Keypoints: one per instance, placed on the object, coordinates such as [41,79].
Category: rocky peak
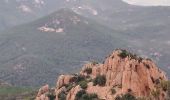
[122,72]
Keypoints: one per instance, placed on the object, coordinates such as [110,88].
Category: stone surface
[129,74]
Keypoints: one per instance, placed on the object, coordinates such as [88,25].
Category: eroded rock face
[42,93]
[63,80]
[125,72]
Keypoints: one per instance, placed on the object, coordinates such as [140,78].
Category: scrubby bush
[128,96]
[83,84]
[51,96]
[69,87]
[100,80]
[82,95]
[62,96]
[113,91]
[78,78]
[88,70]
[93,95]
[155,93]
[123,54]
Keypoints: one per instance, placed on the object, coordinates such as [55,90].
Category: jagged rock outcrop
[122,72]
[42,93]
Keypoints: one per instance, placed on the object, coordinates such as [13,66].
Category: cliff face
[121,73]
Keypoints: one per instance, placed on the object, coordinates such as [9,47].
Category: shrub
[93,95]
[62,96]
[89,96]
[69,87]
[51,96]
[123,54]
[78,78]
[128,96]
[113,91]
[155,93]
[83,84]
[100,80]
[88,70]
[80,94]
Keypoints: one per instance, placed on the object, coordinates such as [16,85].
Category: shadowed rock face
[124,71]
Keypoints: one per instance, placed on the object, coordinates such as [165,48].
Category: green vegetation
[113,91]
[100,80]
[155,93]
[13,90]
[78,78]
[62,96]
[69,87]
[126,96]
[11,93]
[125,53]
[51,96]
[88,70]
[82,95]
[83,84]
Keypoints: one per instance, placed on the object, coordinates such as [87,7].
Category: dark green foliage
[123,54]
[89,97]
[69,87]
[62,96]
[80,78]
[128,96]
[100,80]
[88,70]
[83,84]
[113,91]
[51,96]
[93,95]
[82,95]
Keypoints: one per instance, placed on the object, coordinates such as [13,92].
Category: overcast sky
[149,2]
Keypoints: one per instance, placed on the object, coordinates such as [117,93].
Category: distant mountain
[32,54]
[17,12]
[144,30]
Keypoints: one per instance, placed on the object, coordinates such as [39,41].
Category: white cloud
[148,2]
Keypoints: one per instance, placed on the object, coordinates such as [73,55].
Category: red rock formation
[125,72]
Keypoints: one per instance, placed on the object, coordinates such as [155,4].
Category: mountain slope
[54,44]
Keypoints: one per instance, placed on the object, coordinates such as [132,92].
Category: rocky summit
[122,76]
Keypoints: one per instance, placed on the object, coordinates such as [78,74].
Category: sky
[149,2]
